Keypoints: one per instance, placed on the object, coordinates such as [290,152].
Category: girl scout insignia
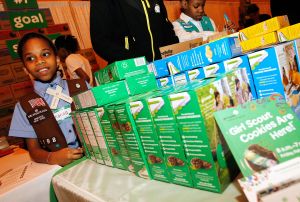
[57,95]
[157,8]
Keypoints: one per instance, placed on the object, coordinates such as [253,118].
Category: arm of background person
[170,36]
[81,73]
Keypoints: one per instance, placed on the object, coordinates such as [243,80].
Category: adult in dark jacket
[122,29]
[287,7]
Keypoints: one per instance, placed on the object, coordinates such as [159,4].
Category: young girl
[193,22]
[49,140]
[239,92]
[219,105]
[77,66]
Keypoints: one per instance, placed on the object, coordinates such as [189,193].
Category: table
[23,180]
[89,181]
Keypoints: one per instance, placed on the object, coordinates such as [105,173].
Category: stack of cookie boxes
[196,63]
[169,134]
[18,19]
[205,61]
[206,156]
[101,114]
[275,68]
[270,54]
[144,133]
[176,127]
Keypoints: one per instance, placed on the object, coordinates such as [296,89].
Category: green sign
[53,36]
[12,46]
[261,133]
[20,4]
[24,20]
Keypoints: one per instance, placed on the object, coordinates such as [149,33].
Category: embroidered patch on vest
[38,114]
[188,26]
[48,141]
[37,102]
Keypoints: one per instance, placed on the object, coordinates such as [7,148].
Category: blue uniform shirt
[20,126]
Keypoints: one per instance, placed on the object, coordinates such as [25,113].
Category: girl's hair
[231,102]
[236,82]
[216,93]
[68,42]
[33,35]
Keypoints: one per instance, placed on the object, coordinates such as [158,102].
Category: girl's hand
[65,156]
[230,26]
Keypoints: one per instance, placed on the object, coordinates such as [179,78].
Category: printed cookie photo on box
[241,62]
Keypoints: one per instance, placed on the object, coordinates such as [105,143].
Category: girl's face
[195,9]
[218,98]
[39,59]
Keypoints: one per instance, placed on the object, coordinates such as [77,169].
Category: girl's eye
[30,58]
[46,54]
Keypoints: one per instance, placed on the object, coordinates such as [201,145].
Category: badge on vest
[62,113]
[157,8]
[57,95]
[37,102]
[186,26]
[37,115]
[48,141]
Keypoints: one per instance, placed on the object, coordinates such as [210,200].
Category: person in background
[123,29]
[287,7]
[50,138]
[194,23]
[242,13]
[219,104]
[239,92]
[253,15]
[77,66]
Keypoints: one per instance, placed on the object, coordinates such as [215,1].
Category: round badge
[77,85]
[157,8]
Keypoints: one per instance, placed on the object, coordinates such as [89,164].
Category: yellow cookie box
[289,33]
[259,42]
[264,27]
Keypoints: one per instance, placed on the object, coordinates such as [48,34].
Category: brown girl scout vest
[40,116]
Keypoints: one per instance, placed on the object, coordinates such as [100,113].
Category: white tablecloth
[89,181]
[22,180]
